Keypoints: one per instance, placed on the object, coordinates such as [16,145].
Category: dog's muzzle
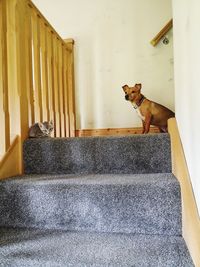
[126,97]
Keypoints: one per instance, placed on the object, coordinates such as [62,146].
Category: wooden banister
[36,74]
[162,33]
[10,164]
[190,216]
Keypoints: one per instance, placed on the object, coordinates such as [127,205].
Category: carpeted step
[127,154]
[33,248]
[128,203]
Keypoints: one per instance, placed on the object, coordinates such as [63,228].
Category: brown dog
[150,112]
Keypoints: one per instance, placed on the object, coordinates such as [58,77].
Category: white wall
[187,83]
[112,49]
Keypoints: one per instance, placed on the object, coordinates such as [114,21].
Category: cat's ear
[51,122]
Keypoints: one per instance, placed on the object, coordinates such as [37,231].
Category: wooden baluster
[53,75]
[65,91]
[30,68]
[23,64]
[12,74]
[61,93]
[2,71]
[70,83]
[55,88]
[58,85]
[37,68]
[5,76]
[50,75]
[47,71]
[43,65]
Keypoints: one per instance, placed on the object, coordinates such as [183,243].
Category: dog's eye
[133,92]
[125,93]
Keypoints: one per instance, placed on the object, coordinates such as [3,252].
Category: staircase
[94,201]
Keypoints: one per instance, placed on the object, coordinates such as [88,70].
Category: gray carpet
[93,202]
[130,154]
[129,203]
[25,248]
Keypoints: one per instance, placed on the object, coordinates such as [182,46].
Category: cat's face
[41,129]
[46,127]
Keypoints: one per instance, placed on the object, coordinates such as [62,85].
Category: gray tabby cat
[41,129]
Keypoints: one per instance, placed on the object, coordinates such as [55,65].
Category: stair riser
[102,208]
[48,248]
[134,154]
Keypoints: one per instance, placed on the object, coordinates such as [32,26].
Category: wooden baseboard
[190,216]
[10,164]
[113,131]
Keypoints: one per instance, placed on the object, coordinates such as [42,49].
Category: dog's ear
[138,86]
[124,87]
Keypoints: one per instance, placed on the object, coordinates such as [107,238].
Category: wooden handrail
[47,24]
[190,216]
[10,164]
[162,33]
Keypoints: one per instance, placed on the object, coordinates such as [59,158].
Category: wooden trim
[113,131]
[162,33]
[10,164]
[190,216]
